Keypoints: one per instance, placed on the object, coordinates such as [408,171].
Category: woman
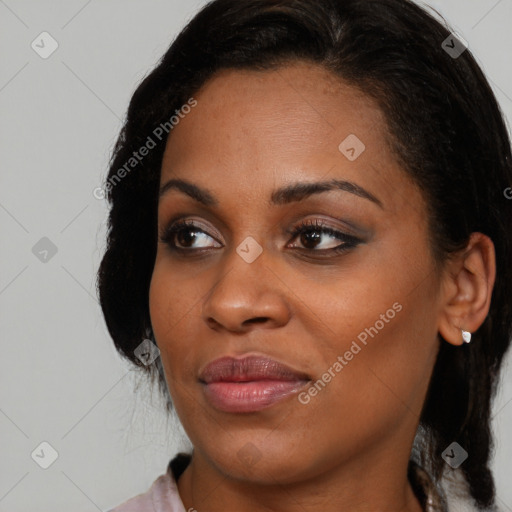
[309,220]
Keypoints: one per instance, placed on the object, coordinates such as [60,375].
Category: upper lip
[248,368]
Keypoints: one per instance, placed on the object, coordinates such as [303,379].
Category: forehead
[254,130]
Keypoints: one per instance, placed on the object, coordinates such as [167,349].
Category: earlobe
[467,290]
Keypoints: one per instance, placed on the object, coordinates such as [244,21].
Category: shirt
[451,495]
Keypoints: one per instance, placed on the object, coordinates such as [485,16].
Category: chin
[260,462]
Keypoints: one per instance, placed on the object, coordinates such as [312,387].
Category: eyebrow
[284,195]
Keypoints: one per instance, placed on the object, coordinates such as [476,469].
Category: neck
[377,483]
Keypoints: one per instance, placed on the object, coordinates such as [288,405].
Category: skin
[348,448]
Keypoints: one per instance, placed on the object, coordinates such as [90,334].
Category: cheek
[163,308]
[170,305]
[173,296]
[381,322]
[387,344]
[375,389]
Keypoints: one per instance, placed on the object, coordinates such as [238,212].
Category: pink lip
[249,384]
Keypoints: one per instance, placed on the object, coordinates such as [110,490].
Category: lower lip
[250,396]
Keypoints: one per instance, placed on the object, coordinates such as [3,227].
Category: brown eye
[316,236]
[184,235]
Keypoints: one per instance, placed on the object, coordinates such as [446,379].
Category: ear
[467,285]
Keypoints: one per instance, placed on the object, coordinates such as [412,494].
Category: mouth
[249,384]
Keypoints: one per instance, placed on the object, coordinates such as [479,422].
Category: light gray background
[61,380]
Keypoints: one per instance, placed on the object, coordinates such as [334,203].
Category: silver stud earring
[466,336]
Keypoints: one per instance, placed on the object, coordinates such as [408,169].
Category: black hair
[445,128]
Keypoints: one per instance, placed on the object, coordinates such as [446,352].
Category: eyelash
[308,226]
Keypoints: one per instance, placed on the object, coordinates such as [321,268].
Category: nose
[247,295]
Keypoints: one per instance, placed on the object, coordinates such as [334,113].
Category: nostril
[258,320]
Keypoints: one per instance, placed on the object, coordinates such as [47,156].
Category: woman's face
[358,323]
